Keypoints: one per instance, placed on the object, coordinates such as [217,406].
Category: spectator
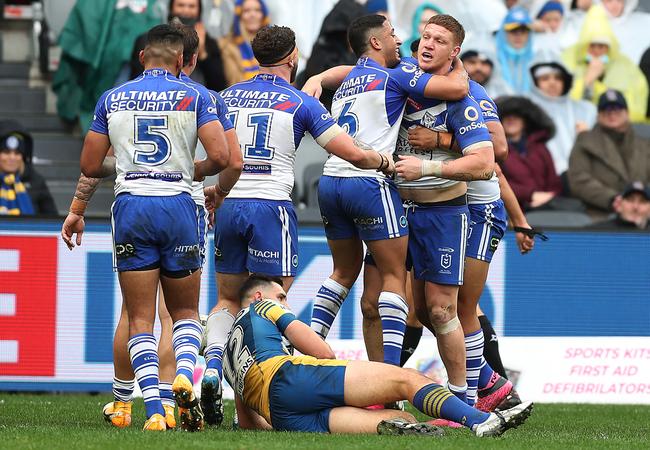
[332,49]
[630,27]
[239,62]
[631,208]
[420,18]
[96,44]
[552,86]
[598,65]
[644,65]
[480,68]
[608,157]
[548,29]
[529,167]
[514,45]
[573,20]
[209,67]
[23,191]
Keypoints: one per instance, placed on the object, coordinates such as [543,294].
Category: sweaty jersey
[271,117]
[483,191]
[462,118]
[222,113]
[369,106]
[152,122]
[255,351]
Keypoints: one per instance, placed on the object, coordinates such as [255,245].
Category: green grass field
[75,421]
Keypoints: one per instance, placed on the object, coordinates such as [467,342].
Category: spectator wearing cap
[480,68]
[514,45]
[23,191]
[549,30]
[529,167]
[609,156]
[597,65]
[631,208]
[552,85]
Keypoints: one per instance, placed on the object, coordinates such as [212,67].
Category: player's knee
[444,323]
[369,308]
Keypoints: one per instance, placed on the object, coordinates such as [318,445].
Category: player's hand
[390,170]
[72,224]
[525,243]
[422,138]
[313,87]
[409,167]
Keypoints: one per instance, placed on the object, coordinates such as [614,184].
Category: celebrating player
[256,229]
[314,393]
[359,205]
[153,123]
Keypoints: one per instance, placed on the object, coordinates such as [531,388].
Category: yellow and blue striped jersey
[255,352]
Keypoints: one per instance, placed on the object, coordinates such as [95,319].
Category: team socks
[412,336]
[166,394]
[327,304]
[393,311]
[219,325]
[144,359]
[122,389]
[491,348]
[458,391]
[186,339]
[436,401]
[474,362]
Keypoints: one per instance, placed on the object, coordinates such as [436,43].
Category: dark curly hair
[272,44]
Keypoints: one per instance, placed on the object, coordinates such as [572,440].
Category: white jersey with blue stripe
[369,106]
[222,112]
[271,117]
[483,191]
[152,123]
[462,118]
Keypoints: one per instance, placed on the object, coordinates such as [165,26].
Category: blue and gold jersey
[255,352]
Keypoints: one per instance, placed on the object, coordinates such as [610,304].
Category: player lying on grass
[316,393]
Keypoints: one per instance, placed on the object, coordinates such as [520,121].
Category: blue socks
[186,340]
[144,359]
[166,394]
[393,311]
[327,304]
[437,402]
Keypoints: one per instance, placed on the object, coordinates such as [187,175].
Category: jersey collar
[156,72]
[270,78]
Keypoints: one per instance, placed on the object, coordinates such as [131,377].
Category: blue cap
[517,17]
[553,5]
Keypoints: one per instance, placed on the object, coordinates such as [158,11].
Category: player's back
[369,105]
[270,117]
[152,124]
[255,351]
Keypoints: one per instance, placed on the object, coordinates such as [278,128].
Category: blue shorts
[155,232]
[301,396]
[487,225]
[203,215]
[364,207]
[253,235]
[438,235]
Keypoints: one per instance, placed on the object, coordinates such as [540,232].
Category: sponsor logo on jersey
[416,76]
[368,220]
[445,260]
[446,249]
[123,251]
[161,176]
[403,221]
[265,254]
[257,169]
[494,243]
[358,84]
[255,98]
[470,127]
[471,113]
[294,260]
[148,101]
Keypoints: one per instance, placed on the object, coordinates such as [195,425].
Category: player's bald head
[164,44]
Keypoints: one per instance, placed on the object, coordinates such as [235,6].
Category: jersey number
[237,361]
[348,120]
[149,131]
[261,124]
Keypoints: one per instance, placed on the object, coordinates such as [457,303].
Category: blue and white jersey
[222,113]
[462,118]
[152,122]
[369,106]
[483,191]
[271,117]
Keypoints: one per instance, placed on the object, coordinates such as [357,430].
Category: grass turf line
[71,421]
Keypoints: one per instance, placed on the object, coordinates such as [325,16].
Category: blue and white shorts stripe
[364,207]
[254,235]
[487,225]
[204,218]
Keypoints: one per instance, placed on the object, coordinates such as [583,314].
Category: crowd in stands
[570,77]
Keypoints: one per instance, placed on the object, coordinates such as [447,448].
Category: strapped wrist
[432,168]
[78,206]
[221,192]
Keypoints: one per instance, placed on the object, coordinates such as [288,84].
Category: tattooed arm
[476,164]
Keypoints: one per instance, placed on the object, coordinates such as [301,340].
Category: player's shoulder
[466,107]
[477,91]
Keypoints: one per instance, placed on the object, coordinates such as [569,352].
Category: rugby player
[118,412]
[256,227]
[361,206]
[315,393]
[153,123]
